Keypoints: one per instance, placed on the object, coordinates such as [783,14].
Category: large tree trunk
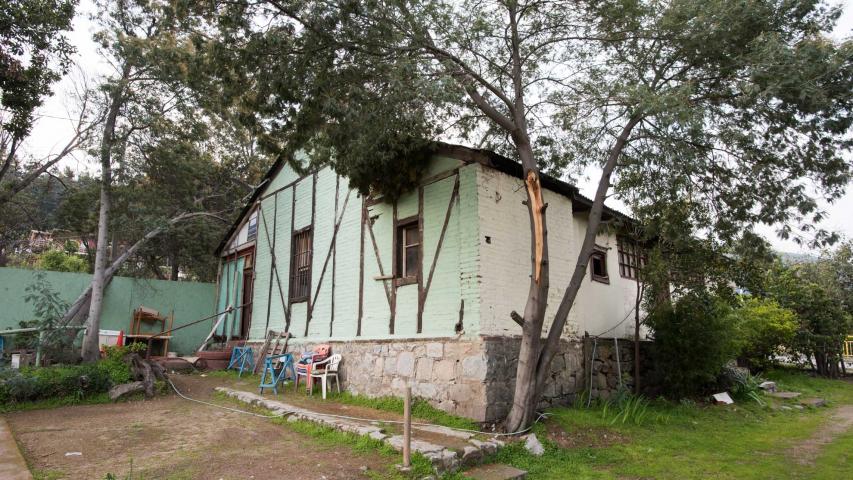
[535,362]
[91,350]
[637,302]
[526,394]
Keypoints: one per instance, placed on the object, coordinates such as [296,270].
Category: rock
[768,386]
[813,402]
[533,445]
[722,398]
[474,367]
[471,455]
[784,395]
[435,350]
[126,389]
[406,364]
[496,471]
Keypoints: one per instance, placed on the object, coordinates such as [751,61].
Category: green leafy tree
[729,105]
[48,308]
[61,261]
[766,331]
[34,53]
[823,323]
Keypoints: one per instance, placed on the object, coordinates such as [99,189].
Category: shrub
[77,381]
[60,261]
[693,340]
[765,330]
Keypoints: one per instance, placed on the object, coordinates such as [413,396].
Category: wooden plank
[441,237]
[290,270]
[361,268]
[439,176]
[274,262]
[313,300]
[334,254]
[394,266]
[420,259]
[311,251]
[378,258]
[272,246]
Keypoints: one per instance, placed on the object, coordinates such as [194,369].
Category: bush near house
[65,381]
[693,341]
[61,261]
[765,329]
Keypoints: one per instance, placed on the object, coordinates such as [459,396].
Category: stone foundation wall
[448,372]
[474,378]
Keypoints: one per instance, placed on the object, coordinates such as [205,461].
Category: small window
[252,231]
[598,266]
[631,259]
[300,266]
[408,251]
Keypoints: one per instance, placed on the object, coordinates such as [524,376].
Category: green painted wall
[231,293]
[454,280]
[190,301]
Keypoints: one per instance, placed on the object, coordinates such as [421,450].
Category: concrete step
[496,471]
[12,464]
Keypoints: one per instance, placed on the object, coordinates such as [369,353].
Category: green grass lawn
[687,441]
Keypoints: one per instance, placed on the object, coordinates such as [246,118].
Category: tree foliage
[34,53]
[766,331]
[823,322]
[60,261]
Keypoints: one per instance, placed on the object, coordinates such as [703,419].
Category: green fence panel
[190,301]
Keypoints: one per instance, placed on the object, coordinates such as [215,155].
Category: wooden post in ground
[407,428]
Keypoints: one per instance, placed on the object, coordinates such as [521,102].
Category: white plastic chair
[330,371]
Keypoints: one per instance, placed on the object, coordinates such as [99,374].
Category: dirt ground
[172,438]
[840,422]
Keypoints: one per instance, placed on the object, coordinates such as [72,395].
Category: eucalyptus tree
[141,99]
[729,106]
[34,53]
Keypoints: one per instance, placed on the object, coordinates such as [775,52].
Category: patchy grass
[834,391]
[690,441]
[421,466]
[59,402]
[421,409]
[48,475]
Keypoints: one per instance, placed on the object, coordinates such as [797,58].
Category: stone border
[443,459]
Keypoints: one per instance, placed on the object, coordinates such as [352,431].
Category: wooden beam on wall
[420,259]
[361,268]
[453,197]
[312,300]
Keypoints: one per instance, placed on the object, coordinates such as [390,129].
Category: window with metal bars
[631,258]
[300,266]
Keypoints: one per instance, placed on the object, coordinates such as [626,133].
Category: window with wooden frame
[598,265]
[408,251]
[252,230]
[631,258]
[300,265]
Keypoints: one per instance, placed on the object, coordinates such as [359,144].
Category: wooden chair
[325,370]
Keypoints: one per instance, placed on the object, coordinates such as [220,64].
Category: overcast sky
[53,128]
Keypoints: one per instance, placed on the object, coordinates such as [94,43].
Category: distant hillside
[789,258]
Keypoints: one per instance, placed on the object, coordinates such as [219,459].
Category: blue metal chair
[283,363]
[242,358]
